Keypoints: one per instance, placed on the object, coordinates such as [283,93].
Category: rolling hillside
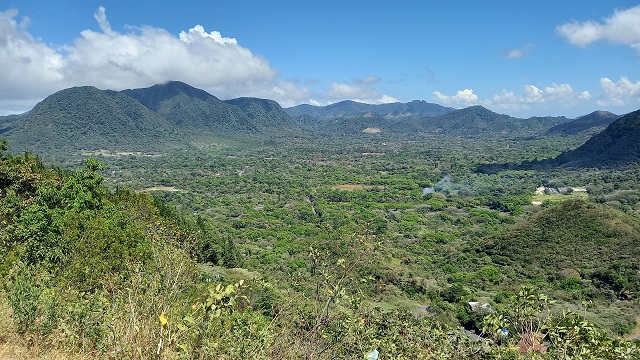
[577,236]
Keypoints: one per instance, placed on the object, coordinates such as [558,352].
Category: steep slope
[193,110]
[618,144]
[265,115]
[594,121]
[575,235]
[86,118]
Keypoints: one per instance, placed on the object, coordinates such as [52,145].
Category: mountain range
[171,115]
[348,108]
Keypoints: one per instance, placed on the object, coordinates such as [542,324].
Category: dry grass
[14,347]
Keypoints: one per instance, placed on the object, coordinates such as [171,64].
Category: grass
[14,347]
[556,198]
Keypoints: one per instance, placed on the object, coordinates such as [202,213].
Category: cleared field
[538,199]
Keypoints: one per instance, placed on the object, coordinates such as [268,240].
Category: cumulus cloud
[530,97]
[29,68]
[518,53]
[149,55]
[360,90]
[619,93]
[623,27]
[555,94]
[464,97]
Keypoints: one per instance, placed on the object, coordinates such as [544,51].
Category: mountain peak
[153,96]
[615,145]
[596,120]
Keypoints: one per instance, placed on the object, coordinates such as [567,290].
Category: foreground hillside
[592,246]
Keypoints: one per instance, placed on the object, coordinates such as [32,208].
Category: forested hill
[575,239]
[618,144]
[196,110]
[82,118]
[594,121]
[152,119]
[264,114]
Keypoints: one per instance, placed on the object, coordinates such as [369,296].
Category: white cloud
[623,27]
[198,31]
[556,93]
[101,18]
[150,55]
[619,93]
[360,90]
[464,97]
[518,53]
[28,67]
[532,96]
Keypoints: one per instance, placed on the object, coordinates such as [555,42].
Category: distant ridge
[348,108]
[264,114]
[478,121]
[618,144]
[595,120]
[153,96]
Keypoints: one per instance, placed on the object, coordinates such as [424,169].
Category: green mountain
[477,120]
[573,237]
[597,120]
[618,144]
[265,115]
[86,118]
[137,120]
[193,110]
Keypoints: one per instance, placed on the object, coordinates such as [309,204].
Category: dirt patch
[371,130]
[635,334]
[162,188]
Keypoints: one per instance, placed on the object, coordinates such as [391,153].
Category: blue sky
[523,58]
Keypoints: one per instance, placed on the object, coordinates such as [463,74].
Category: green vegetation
[317,245]
[300,266]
